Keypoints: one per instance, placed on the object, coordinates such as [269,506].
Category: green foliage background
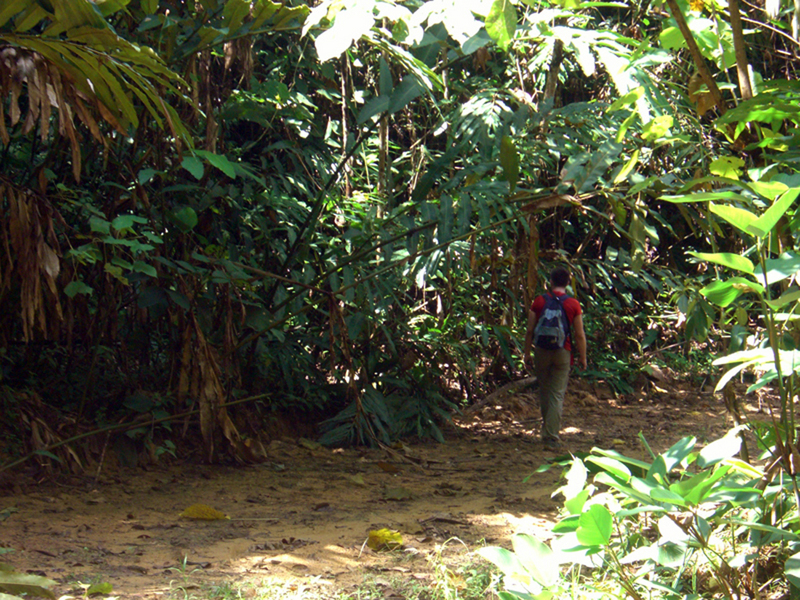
[251,214]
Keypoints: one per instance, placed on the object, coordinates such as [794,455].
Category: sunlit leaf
[501,22]
[727,259]
[384,539]
[203,512]
[595,526]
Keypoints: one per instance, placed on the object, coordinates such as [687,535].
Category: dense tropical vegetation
[238,214]
[241,210]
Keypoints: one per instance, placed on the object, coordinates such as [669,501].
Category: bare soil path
[304,515]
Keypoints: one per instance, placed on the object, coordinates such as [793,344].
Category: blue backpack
[552,328]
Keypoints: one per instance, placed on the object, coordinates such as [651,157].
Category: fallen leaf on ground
[204,512]
[384,539]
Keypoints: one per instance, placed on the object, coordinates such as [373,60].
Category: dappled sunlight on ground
[302,518]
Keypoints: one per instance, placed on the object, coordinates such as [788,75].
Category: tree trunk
[742,64]
[698,59]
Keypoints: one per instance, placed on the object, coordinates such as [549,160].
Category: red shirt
[571,307]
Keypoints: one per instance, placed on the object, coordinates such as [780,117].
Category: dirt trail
[304,515]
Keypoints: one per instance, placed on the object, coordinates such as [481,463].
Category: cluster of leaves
[355,225]
[689,524]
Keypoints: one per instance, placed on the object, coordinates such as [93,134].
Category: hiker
[556,314]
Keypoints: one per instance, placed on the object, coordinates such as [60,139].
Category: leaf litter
[309,520]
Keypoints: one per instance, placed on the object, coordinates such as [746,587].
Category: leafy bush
[687,524]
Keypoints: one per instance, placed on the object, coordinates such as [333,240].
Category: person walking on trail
[555,327]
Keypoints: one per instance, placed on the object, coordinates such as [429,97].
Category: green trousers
[552,374]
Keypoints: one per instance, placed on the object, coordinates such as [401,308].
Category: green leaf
[727,259]
[73,288]
[764,225]
[738,217]
[537,558]
[719,450]
[408,90]
[626,101]
[660,494]
[576,479]
[220,162]
[791,569]
[194,165]
[31,585]
[722,293]
[509,160]
[595,526]
[504,560]
[99,588]
[126,222]
[629,166]
[374,107]
[677,452]
[727,166]
[611,465]
[788,297]
[778,269]
[501,22]
[186,218]
[704,196]
[142,267]
[657,128]
[98,225]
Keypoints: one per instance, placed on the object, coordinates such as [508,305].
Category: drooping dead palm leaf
[31,262]
[79,68]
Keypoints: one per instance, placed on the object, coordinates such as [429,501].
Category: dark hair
[560,277]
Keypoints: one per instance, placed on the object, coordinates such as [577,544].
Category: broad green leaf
[126,222]
[678,452]
[576,479]
[657,128]
[194,166]
[611,465]
[731,373]
[575,504]
[722,293]
[672,555]
[727,166]
[778,269]
[501,22]
[504,560]
[788,297]
[738,217]
[509,160]
[98,225]
[756,354]
[769,189]
[595,526]
[22,583]
[664,495]
[791,569]
[537,558]
[220,162]
[408,90]
[374,107]
[764,225]
[99,588]
[145,175]
[142,267]
[727,259]
[186,218]
[73,288]
[349,26]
